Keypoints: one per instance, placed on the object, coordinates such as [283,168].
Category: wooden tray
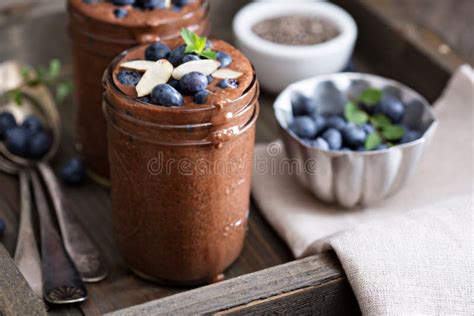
[265,278]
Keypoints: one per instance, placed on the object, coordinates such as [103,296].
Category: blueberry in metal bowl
[374,133]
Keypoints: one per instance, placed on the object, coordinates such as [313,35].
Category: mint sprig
[371,97]
[355,115]
[372,141]
[196,44]
[393,132]
[386,131]
[41,76]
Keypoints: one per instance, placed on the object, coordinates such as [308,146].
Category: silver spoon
[62,282]
[26,256]
[77,242]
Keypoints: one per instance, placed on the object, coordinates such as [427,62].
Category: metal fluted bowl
[351,178]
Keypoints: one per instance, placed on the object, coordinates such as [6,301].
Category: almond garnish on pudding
[190,75]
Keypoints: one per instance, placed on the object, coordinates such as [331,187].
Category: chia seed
[296,30]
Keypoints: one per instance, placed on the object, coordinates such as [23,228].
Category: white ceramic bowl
[279,65]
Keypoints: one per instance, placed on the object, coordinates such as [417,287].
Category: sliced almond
[159,73]
[206,67]
[226,74]
[140,65]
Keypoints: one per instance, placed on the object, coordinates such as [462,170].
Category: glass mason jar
[96,38]
[180,182]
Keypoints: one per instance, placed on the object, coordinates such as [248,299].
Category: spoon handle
[27,256]
[62,283]
[83,252]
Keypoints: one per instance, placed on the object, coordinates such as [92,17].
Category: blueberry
[89,1]
[350,67]
[320,143]
[32,124]
[392,107]
[190,57]
[174,83]
[381,146]
[410,135]
[16,141]
[145,99]
[123,2]
[157,51]
[304,127]
[129,77]
[180,3]
[224,59]
[334,138]
[302,105]
[39,145]
[201,97]
[150,4]
[176,56]
[344,149]
[7,121]
[192,83]
[3,227]
[368,128]
[337,122]
[210,79]
[73,172]
[166,95]
[228,83]
[354,136]
[120,13]
[369,109]
[320,122]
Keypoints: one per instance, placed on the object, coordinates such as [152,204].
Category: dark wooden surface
[309,286]
[35,33]
[29,32]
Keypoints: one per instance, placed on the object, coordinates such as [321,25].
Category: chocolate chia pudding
[181,160]
[102,29]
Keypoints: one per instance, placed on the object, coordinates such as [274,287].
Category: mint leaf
[63,90]
[209,54]
[25,73]
[54,69]
[354,115]
[393,132]
[372,141]
[371,97]
[16,96]
[188,38]
[196,44]
[380,121]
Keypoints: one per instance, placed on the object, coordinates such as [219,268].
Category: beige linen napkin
[411,254]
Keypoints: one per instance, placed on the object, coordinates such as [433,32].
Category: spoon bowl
[45,112]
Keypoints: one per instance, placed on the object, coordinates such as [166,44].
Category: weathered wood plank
[314,284]
[16,297]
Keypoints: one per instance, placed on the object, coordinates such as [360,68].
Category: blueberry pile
[372,121]
[30,139]
[122,5]
[193,84]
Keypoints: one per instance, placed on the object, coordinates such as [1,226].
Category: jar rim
[205,5]
[110,84]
